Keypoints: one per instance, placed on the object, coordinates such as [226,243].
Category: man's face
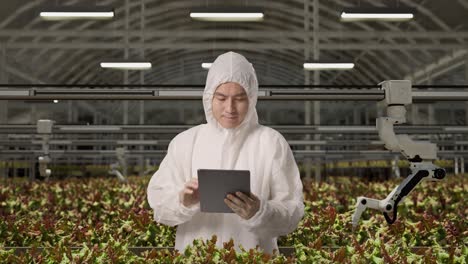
[230,104]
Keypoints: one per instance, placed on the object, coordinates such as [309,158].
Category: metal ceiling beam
[59,55]
[156,16]
[173,38]
[442,65]
[18,73]
[174,129]
[23,74]
[28,77]
[234,33]
[331,154]
[117,142]
[76,70]
[93,45]
[428,13]
[178,6]
[463,3]
[170,66]
[54,26]
[18,12]
[195,33]
[276,94]
[414,56]
[114,25]
[379,39]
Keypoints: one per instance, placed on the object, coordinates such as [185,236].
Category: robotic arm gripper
[44,129]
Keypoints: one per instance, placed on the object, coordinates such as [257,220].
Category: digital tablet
[215,185]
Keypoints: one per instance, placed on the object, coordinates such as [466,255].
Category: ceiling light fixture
[228,14]
[77,12]
[385,14]
[317,66]
[126,65]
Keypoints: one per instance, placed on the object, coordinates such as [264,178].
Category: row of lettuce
[87,219]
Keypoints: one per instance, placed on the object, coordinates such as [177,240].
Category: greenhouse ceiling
[428,49]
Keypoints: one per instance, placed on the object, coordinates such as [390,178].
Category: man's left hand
[243,205]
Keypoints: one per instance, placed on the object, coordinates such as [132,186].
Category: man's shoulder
[269,133]
[188,134]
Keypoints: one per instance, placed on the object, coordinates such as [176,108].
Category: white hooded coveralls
[261,150]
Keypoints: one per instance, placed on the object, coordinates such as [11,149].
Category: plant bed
[82,219]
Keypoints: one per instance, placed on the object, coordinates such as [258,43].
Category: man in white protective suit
[231,139]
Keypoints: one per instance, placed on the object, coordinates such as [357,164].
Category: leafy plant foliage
[101,220]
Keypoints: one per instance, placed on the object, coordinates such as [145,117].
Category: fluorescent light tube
[316,66]
[231,14]
[77,12]
[372,16]
[233,17]
[76,15]
[386,14]
[206,65]
[127,65]
[56,101]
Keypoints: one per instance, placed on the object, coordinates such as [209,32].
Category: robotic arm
[121,163]
[44,128]
[420,154]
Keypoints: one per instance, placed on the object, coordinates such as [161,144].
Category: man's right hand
[189,195]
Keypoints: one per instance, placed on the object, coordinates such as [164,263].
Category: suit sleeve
[164,187]
[280,214]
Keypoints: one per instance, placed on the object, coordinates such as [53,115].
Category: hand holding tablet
[190,195]
[244,205]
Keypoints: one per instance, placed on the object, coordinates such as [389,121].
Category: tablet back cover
[214,185]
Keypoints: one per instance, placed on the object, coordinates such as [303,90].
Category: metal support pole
[15,169]
[357,116]
[96,121]
[462,165]
[126,56]
[453,116]
[32,169]
[70,120]
[430,108]
[316,82]
[3,79]
[307,163]
[415,114]
[141,136]
[3,106]
[142,81]
[33,114]
[466,81]
[366,118]
[431,115]
[32,120]
[466,113]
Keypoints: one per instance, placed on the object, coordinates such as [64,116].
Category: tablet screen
[215,185]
